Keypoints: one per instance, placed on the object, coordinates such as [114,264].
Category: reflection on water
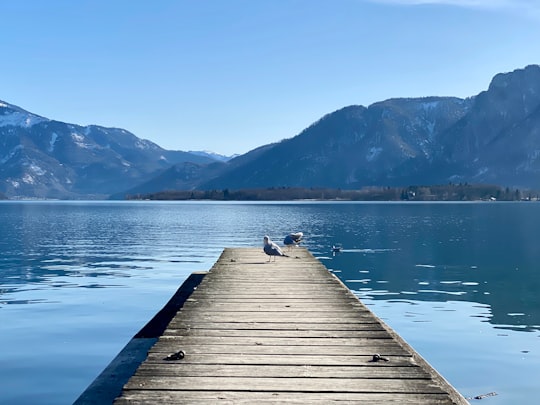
[89,275]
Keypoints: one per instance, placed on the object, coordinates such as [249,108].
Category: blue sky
[231,75]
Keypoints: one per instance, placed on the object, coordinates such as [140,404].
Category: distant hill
[212,155]
[190,176]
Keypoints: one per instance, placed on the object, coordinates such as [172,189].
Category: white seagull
[293,239]
[272,249]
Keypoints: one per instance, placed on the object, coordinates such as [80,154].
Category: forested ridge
[449,192]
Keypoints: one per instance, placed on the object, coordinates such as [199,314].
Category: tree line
[448,192]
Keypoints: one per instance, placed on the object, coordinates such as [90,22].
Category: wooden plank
[298,333]
[137,397]
[320,342]
[394,385]
[262,359]
[293,337]
[194,324]
[267,316]
[384,348]
[286,331]
[281,306]
[282,338]
[277,370]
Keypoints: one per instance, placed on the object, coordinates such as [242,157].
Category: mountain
[212,155]
[190,176]
[498,141]
[385,144]
[492,137]
[43,158]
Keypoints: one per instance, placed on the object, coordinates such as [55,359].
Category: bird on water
[272,249]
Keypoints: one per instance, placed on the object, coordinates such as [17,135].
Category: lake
[459,281]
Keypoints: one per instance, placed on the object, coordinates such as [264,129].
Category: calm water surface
[459,281]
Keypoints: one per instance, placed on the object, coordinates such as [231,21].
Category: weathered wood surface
[283,332]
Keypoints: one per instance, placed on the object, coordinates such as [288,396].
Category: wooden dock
[283,332]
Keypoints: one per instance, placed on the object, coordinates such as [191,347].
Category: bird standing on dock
[293,239]
[272,249]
